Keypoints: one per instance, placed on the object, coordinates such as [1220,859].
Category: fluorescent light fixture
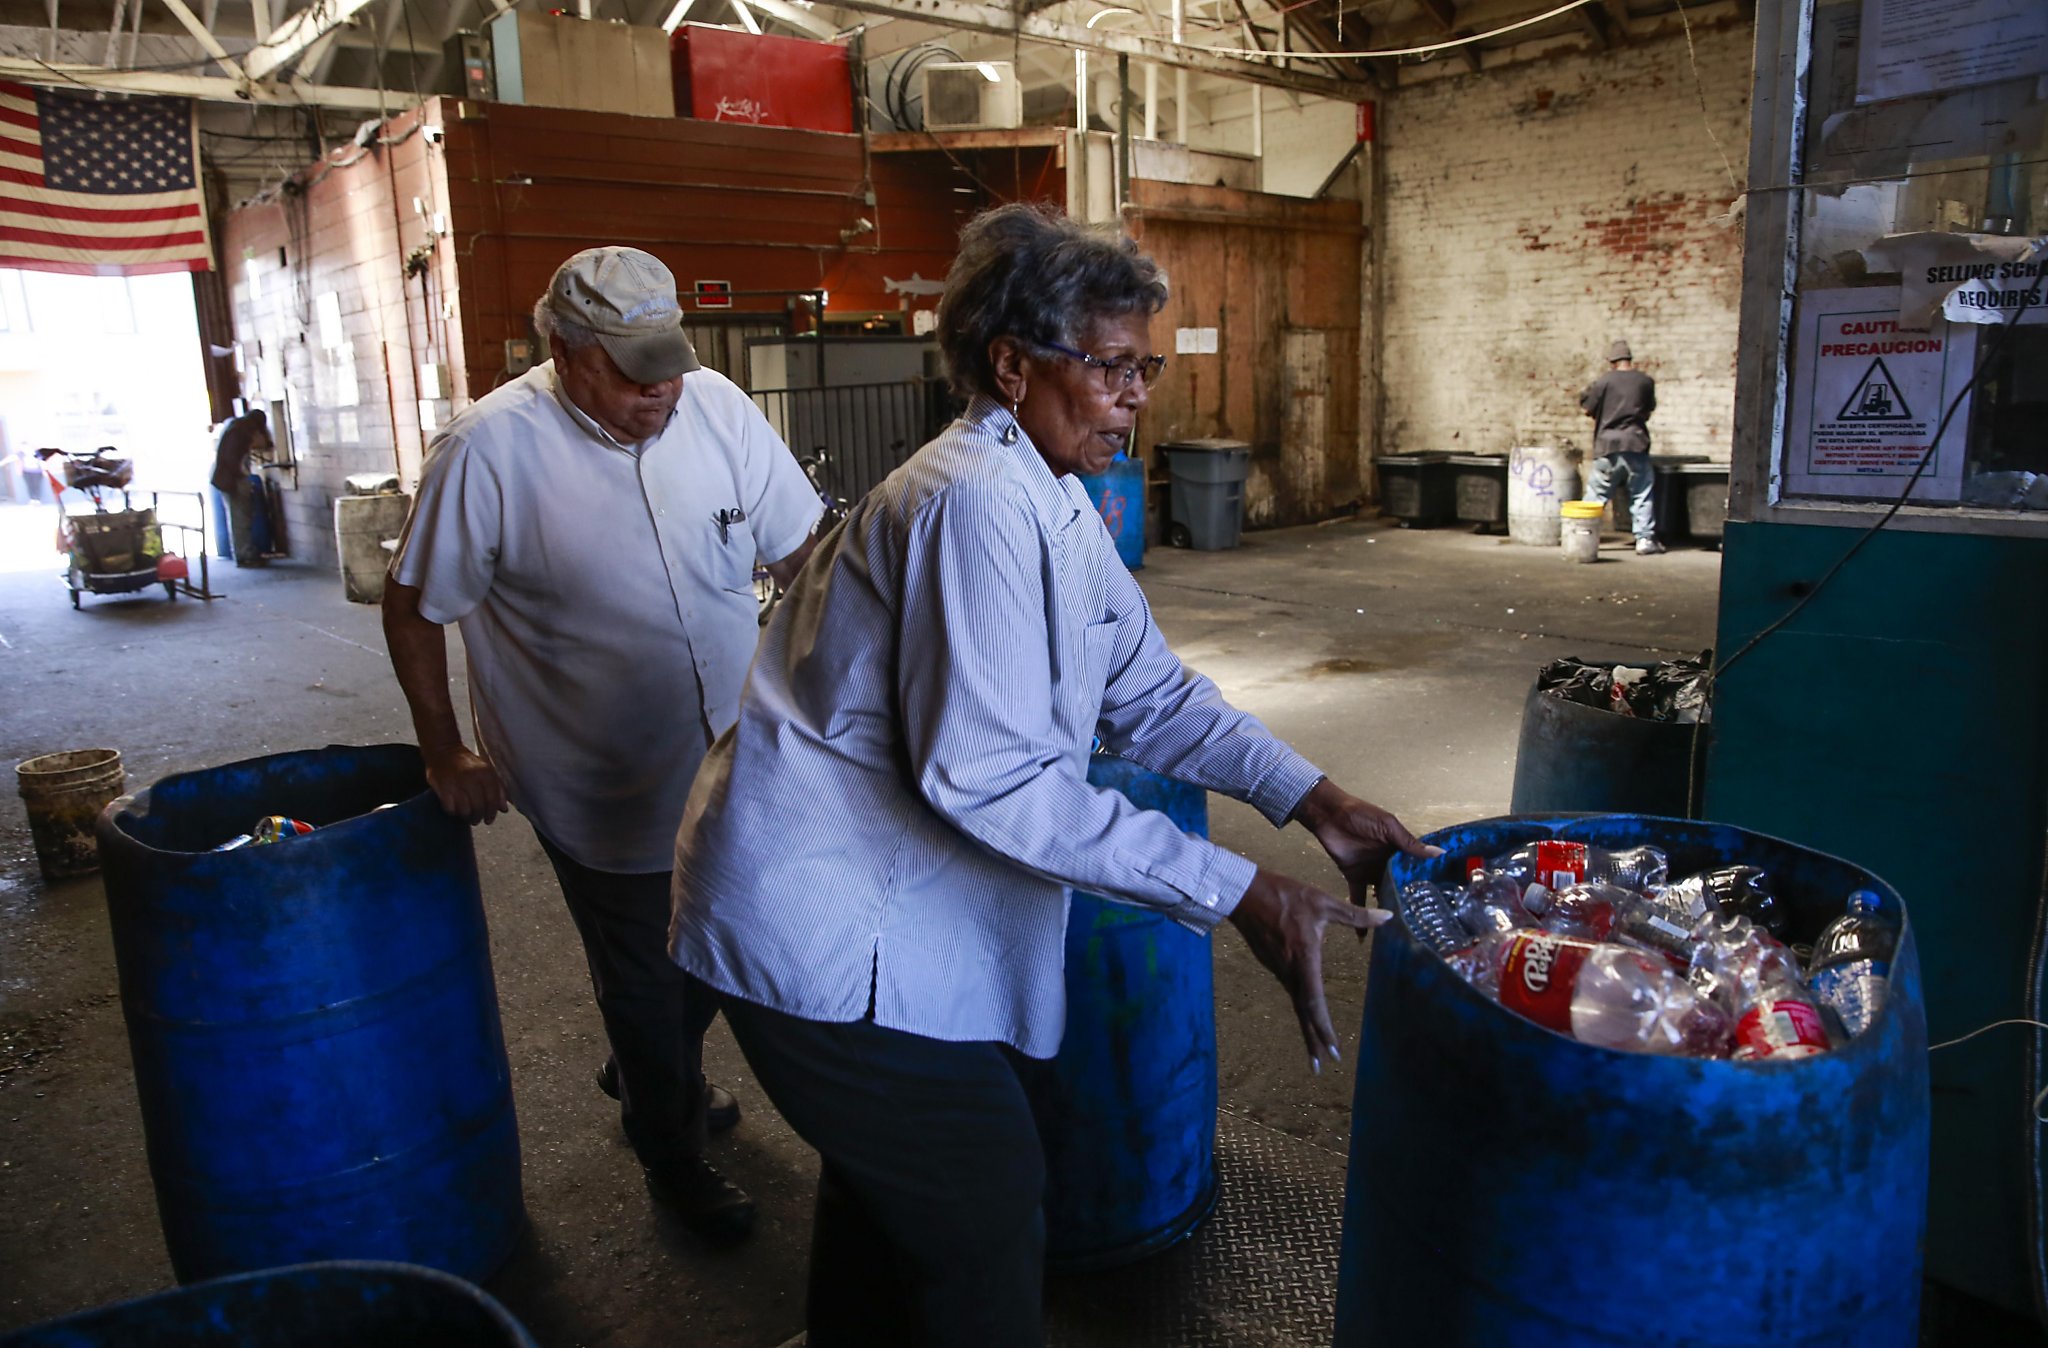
[676,15]
[988,72]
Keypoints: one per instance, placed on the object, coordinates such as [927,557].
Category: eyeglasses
[1117,374]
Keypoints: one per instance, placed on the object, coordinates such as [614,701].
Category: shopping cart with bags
[109,551]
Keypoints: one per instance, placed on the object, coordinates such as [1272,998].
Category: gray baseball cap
[1618,351]
[628,298]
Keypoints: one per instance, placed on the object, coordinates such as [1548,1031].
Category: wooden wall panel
[1278,278]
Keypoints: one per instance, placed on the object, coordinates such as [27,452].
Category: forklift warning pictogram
[1875,397]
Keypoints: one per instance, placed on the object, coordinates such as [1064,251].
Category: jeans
[1642,486]
[930,1227]
[654,1013]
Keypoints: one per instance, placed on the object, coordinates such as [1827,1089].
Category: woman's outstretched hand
[1283,921]
[1359,836]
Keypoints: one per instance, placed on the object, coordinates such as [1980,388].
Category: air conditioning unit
[972,96]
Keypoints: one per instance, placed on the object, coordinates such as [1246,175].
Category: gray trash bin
[1206,508]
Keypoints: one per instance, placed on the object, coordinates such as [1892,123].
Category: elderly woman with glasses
[890,950]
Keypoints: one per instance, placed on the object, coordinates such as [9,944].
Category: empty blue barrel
[1509,1185]
[1118,494]
[314,1023]
[1127,1111]
[324,1305]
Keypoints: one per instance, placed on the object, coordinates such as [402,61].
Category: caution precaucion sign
[1868,395]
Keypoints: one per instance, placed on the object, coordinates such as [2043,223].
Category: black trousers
[929,1231]
[654,1013]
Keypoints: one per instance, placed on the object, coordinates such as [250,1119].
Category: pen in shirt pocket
[725,519]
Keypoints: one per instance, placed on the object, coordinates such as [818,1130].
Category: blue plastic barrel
[1128,1110]
[1509,1185]
[314,1023]
[324,1305]
[1119,496]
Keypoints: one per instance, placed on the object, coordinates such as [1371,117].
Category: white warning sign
[1868,395]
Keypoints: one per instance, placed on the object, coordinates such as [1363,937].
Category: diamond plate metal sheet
[1260,1273]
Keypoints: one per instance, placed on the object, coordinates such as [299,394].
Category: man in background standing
[246,437]
[1620,403]
[593,526]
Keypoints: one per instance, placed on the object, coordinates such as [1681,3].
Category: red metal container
[724,76]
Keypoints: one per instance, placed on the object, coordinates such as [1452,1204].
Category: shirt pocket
[1080,698]
[732,564]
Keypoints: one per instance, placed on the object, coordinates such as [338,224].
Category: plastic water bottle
[1555,864]
[1852,961]
[1431,912]
[1612,996]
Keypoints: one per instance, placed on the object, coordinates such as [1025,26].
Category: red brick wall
[1536,212]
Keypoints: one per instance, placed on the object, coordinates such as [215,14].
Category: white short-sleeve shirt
[605,596]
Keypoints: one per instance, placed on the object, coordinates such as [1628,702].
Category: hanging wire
[1423,50]
[1692,57]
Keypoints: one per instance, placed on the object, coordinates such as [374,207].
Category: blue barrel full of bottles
[1128,1110]
[1509,1185]
[1118,495]
[314,1023]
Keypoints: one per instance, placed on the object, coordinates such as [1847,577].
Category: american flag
[101,186]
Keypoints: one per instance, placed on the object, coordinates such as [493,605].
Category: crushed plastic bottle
[1555,864]
[1587,911]
[1744,890]
[1493,903]
[1603,912]
[1851,967]
[1612,996]
[1751,975]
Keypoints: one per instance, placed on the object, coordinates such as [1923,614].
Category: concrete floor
[1397,660]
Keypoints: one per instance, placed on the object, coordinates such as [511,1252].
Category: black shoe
[721,1110]
[704,1200]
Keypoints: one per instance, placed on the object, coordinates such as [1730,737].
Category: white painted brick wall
[1536,212]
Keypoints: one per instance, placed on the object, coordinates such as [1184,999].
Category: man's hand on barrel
[1282,920]
[1359,836]
[466,784]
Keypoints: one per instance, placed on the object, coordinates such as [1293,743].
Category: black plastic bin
[1479,489]
[1669,494]
[1416,488]
[1575,758]
[1705,493]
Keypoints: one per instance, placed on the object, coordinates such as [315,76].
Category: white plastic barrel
[1540,478]
[361,524]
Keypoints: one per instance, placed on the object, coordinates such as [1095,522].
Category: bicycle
[817,467]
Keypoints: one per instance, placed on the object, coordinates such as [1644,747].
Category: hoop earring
[1010,432]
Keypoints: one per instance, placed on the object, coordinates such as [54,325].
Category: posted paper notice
[1914,47]
[1867,396]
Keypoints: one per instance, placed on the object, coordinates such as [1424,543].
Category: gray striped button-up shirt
[893,826]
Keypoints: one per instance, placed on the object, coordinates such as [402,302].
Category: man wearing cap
[593,527]
[1620,403]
